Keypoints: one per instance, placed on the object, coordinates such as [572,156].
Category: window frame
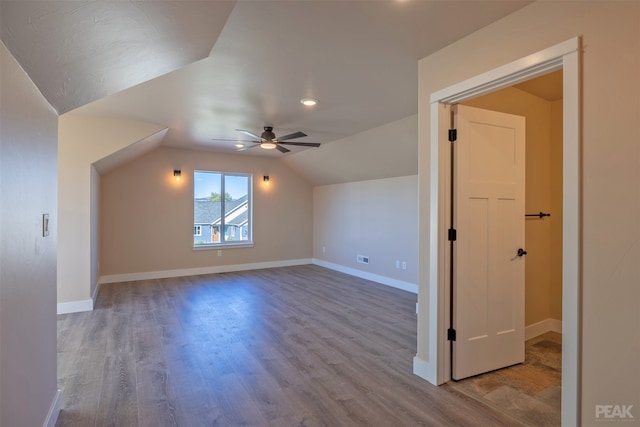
[222,243]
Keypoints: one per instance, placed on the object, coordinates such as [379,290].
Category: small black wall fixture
[266,179]
[177,173]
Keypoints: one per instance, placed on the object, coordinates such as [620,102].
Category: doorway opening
[564,56]
[531,391]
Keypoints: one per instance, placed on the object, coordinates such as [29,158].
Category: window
[221,209]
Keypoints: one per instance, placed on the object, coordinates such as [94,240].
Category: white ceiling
[205,68]
[77,52]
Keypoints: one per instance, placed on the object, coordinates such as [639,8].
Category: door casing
[565,56]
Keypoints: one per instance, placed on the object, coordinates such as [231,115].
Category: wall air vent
[362,259]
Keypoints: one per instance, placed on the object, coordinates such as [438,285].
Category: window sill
[223,246]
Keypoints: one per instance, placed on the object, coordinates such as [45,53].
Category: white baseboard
[54,410]
[399,284]
[544,326]
[422,368]
[164,274]
[87,305]
[75,306]
[79,306]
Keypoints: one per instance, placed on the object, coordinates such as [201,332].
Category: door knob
[521,252]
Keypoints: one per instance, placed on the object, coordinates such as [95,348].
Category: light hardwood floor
[295,346]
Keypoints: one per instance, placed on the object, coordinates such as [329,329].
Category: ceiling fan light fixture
[238,145]
[268,145]
[308,102]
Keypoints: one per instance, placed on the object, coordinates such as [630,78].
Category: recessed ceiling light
[239,145]
[309,102]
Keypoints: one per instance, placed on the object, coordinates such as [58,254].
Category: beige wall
[147,218]
[28,150]
[82,141]
[556,208]
[540,276]
[610,160]
[375,218]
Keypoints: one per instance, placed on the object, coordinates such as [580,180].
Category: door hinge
[453,135]
[451,334]
[452,235]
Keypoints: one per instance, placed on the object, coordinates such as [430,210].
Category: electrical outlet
[397,263]
[219,252]
[324,249]
[404,265]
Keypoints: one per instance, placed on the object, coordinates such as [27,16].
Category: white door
[488,299]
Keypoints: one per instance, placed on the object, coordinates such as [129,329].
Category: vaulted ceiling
[206,68]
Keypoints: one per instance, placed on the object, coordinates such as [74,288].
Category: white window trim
[234,243]
[210,246]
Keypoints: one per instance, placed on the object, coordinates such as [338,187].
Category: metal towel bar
[539,214]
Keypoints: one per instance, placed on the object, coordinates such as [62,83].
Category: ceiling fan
[269,141]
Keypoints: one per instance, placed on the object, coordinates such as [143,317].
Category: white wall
[84,140]
[94,220]
[376,218]
[28,150]
[610,161]
[386,151]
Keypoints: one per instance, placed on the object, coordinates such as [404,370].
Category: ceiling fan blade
[247,148]
[281,149]
[292,136]
[246,132]
[303,144]
[234,140]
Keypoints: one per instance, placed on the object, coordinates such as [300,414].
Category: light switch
[45,225]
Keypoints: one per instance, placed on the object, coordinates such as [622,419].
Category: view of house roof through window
[221,209]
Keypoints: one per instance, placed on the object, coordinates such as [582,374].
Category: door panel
[489,218]
[477,252]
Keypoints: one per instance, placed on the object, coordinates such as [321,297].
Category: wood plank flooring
[294,346]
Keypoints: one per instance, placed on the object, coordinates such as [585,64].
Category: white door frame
[565,56]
